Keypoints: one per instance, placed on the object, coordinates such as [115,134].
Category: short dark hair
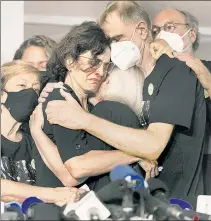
[87,36]
[38,41]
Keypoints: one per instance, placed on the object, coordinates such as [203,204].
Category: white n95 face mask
[174,40]
[125,54]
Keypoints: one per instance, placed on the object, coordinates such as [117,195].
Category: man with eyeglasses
[174,111]
[180,30]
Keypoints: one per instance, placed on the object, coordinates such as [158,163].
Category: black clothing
[207,64]
[71,143]
[17,161]
[207,156]
[173,95]
[117,113]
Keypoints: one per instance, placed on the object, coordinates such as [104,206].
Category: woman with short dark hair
[82,61]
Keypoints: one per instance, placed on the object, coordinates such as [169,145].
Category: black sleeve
[174,103]
[69,142]
[207,64]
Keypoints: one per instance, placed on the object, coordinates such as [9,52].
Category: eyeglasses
[169,27]
[93,64]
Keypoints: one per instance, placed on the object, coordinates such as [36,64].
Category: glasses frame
[94,67]
[164,27]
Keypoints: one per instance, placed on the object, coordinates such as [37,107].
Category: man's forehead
[168,15]
[114,26]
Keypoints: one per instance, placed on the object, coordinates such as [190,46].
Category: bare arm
[14,191]
[50,155]
[147,144]
[48,150]
[104,161]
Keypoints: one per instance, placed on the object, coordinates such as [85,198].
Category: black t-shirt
[17,161]
[207,64]
[208,126]
[70,143]
[173,95]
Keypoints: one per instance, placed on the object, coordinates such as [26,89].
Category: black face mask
[21,104]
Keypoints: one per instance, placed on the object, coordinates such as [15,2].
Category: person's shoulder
[56,95]
[167,68]
[177,67]
[166,61]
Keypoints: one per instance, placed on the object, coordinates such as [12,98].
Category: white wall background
[54,18]
[21,20]
[12,28]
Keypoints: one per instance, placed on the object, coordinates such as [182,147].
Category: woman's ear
[69,64]
[3,97]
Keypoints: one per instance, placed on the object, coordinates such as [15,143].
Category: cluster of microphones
[127,197]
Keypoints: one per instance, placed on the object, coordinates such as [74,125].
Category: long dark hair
[88,36]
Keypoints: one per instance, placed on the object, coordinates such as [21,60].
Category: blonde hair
[126,87]
[129,12]
[13,68]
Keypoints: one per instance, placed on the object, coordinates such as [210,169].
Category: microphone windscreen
[113,192]
[16,210]
[156,185]
[28,202]
[122,171]
[45,211]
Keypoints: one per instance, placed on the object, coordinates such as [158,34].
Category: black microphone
[113,192]
[71,215]
[154,205]
[158,189]
[12,213]
[45,211]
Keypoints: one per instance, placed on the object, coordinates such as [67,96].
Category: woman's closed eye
[21,85]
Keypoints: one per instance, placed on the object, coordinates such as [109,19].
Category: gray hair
[129,11]
[126,87]
[193,23]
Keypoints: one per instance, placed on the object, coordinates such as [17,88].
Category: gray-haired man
[174,111]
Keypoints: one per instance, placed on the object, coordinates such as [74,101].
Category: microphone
[28,203]
[127,173]
[133,181]
[45,211]
[89,206]
[113,192]
[156,187]
[154,205]
[13,212]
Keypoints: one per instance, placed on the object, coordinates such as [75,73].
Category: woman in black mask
[20,89]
